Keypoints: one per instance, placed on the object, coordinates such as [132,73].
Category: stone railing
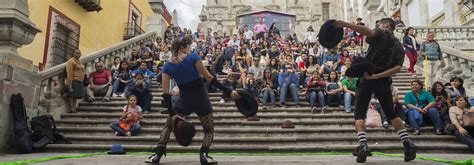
[459,37]
[53,82]
[444,33]
[457,63]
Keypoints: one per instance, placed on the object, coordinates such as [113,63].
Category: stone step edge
[245,130]
[265,139]
[399,148]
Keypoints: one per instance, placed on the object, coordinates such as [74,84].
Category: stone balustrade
[460,37]
[53,79]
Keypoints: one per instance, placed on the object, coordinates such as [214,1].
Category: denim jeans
[293,90]
[117,84]
[319,96]
[266,94]
[431,114]
[223,94]
[134,130]
[347,101]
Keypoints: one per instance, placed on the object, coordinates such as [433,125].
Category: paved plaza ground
[191,159]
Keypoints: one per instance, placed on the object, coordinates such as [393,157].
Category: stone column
[18,75]
[424,16]
[451,13]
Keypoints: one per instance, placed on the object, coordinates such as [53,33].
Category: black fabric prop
[359,66]
[183,131]
[329,36]
[247,105]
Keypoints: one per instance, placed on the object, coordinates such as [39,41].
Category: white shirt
[310,36]
[248,34]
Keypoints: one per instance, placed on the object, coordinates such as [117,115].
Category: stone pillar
[423,13]
[18,75]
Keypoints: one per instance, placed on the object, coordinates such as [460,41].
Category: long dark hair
[406,31]
[120,66]
[180,43]
[335,79]
[461,82]
[267,79]
[310,62]
[435,93]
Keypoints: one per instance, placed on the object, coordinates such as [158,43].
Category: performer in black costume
[386,53]
[187,70]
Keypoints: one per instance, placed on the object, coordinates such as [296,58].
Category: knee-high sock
[208,127]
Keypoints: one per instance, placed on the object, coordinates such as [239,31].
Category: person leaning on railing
[75,78]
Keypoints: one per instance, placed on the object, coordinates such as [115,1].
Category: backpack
[23,143]
[43,126]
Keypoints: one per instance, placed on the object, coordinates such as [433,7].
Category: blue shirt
[287,78]
[424,98]
[185,71]
[144,72]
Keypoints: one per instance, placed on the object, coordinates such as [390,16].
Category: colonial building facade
[225,16]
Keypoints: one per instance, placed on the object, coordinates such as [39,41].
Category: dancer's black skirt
[193,98]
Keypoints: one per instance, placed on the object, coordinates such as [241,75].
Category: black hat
[183,131]
[247,105]
[116,149]
[329,35]
[359,66]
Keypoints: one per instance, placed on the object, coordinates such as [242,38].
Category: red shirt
[301,65]
[100,78]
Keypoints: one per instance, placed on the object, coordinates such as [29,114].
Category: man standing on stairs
[386,53]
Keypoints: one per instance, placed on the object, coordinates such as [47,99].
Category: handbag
[468,119]
[125,124]
[373,118]
[86,80]
[315,89]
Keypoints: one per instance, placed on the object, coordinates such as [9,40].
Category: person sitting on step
[421,107]
[129,124]
[461,131]
[316,91]
[100,81]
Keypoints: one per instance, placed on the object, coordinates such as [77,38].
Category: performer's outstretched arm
[213,81]
[387,73]
[358,28]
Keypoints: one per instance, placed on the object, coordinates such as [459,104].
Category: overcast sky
[188,11]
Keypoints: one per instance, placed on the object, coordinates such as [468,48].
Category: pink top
[260,28]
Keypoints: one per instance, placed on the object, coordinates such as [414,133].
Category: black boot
[159,152]
[204,157]
[410,151]
[363,151]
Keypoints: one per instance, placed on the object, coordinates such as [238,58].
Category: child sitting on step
[129,122]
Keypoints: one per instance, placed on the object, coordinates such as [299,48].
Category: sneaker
[264,107]
[122,95]
[323,109]
[116,134]
[416,132]
[128,134]
[385,124]
[313,109]
[222,101]
[410,151]
[406,124]
[115,95]
[439,132]
[362,152]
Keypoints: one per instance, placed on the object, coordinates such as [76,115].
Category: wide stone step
[398,148]
[259,131]
[218,110]
[277,141]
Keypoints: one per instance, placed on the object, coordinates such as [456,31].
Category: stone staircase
[334,130]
